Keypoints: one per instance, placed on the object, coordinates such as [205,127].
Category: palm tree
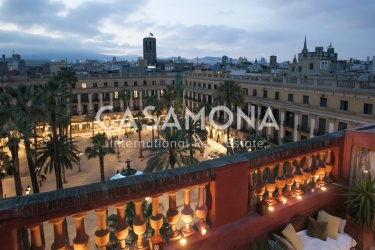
[140,120]
[124,95]
[3,170]
[169,96]
[152,101]
[91,117]
[229,94]
[68,152]
[168,153]
[99,149]
[54,95]
[194,134]
[21,106]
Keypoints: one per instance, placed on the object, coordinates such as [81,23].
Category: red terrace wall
[227,195]
[354,138]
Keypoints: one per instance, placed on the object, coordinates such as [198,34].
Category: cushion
[317,229]
[291,235]
[333,224]
[283,243]
[342,226]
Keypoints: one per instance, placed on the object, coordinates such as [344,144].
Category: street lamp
[118,147]
[79,161]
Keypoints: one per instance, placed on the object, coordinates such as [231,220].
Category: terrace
[229,191]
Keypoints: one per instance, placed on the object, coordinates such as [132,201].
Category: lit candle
[312,190]
[203,232]
[271,209]
[299,197]
[284,200]
[324,188]
[183,241]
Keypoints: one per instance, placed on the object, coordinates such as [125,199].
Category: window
[116,84]
[254,92]
[204,85]
[195,84]
[342,126]
[305,99]
[277,95]
[293,69]
[11,67]
[125,83]
[154,82]
[116,95]
[311,66]
[304,122]
[209,86]
[162,82]
[94,85]
[144,83]
[215,86]
[323,102]
[135,94]
[265,93]
[173,83]
[299,68]
[84,85]
[105,84]
[199,84]
[135,83]
[323,65]
[244,91]
[344,105]
[290,97]
[367,108]
[322,126]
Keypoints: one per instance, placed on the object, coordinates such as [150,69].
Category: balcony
[303,128]
[289,124]
[224,199]
[318,132]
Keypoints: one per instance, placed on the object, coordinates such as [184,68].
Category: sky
[190,29]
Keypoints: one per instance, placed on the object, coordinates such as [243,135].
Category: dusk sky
[252,28]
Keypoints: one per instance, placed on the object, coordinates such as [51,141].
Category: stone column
[298,177]
[312,126]
[260,187]
[102,232]
[131,104]
[100,99]
[282,119]
[111,98]
[201,208]
[59,243]
[90,102]
[158,92]
[280,182]
[289,179]
[81,241]
[140,99]
[321,169]
[295,131]
[183,97]
[258,118]
[187,214]
[329,167]
[139,225]
[251,191]
[122,105]
[35,238]
[122,228]
[79,104]
[331,125]
[313,171]
[172,217]
[270,186]
[156,219]
[306,173]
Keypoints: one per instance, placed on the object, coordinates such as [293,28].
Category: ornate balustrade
[226,190]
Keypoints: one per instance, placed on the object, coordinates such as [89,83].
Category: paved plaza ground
[90,173]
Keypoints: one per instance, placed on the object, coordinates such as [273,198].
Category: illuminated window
[161,92]
[135,93]
[11,67]
[84,85]
[116,95]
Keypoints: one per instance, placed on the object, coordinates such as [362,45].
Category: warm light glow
[183,241]
[271,209]
[324,188]
[203,232]
[299,197]
[312,190]
[284,200]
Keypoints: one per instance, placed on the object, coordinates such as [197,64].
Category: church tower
[149,50]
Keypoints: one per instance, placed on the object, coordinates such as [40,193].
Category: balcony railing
[319,132]
[289,124]
[224,199]
[303,128]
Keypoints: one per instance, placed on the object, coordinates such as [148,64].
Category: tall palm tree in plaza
[124,95]
[168,152]
[229,94]
[99,149]
[169,96]
[54,95]
[139,119]
[21,106]
[194,135]
[154,102]
[91,117]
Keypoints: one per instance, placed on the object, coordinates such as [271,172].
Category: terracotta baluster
[81,241]
[139,225]
[260,188]
[298,177]
[102,232]
[321,169]
[156,219]
[122,228]
[289,179]
[280,182]
[313,169]
[271,186]
[187,214]
[201,208]
[251,191]
[59,243]
[329,167]
[172,217]
[35,238]
[306,174]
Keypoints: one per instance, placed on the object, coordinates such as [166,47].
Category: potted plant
[361,209]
